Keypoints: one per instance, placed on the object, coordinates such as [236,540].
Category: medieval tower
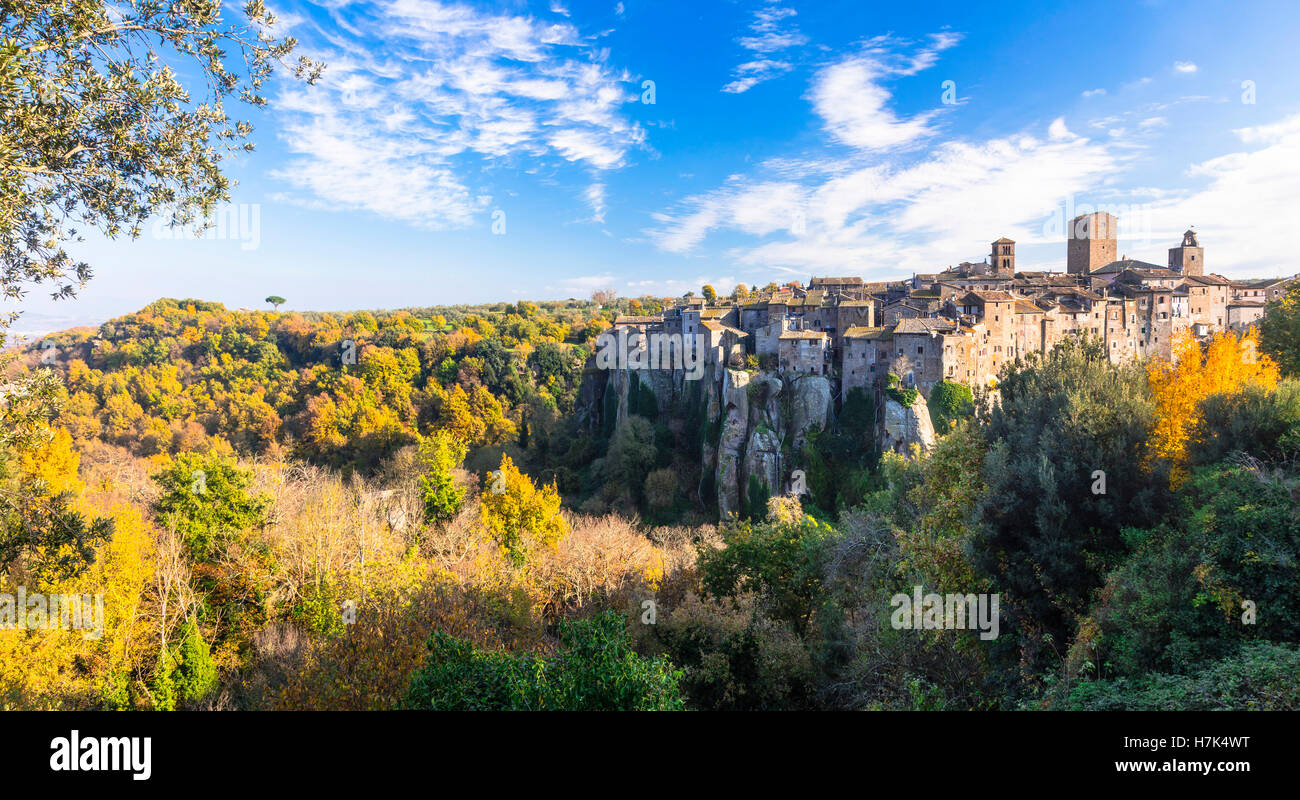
[1003,258]
[1090,242]
[1189,257]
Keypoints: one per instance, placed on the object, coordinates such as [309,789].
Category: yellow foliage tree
[518,515]
[1228,363]
[91,666]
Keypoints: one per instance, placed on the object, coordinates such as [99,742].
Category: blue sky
[785,139]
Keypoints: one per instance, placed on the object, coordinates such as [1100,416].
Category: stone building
[1189,257]
[1090,242]
[1003,258]
[805,352]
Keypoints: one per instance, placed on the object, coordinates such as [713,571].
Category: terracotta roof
[925,325]
[863,332]
[1026,307]
[851,281]
[1211,280]
[1116,267]
[986,296]
[803,335]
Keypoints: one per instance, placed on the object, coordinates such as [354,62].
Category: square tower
[1091,242]
[1003,258]
[1189,257]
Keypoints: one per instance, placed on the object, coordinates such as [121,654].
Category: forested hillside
[434,508]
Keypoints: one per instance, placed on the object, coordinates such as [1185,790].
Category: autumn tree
[710,294]
[1226,364]
[40,518]
[440,454]
[519,516]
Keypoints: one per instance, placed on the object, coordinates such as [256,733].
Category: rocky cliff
[904,427]
[755,423]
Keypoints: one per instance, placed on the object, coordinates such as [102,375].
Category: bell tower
[1189,257]
[1003,258]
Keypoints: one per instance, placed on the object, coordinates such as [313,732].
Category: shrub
[594,670]
[1259,677]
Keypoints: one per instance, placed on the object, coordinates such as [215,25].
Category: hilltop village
[964,323]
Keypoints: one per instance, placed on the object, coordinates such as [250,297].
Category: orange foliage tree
[1228,363]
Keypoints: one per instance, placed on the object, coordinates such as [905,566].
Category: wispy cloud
[1184,67]
[771,31]
[887,206]
[422,100]
[895,218]
[595,197]
[853,102]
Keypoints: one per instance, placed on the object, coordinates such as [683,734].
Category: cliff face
[766,420]
[905,426]
[757,423]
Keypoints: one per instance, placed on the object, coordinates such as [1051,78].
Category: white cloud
[595,197]
[869,217]
[771,31]
[1240,210]
[1184,67]
[418,102]
[1057,130]
[1093,92]
[854,106]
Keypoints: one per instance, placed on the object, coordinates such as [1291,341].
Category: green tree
[97,129]
[631,454]
[948,403]
[784,561]
[440,454]
[1279,330]
[1047,530]
[276,301]
[195,674]
[207,499]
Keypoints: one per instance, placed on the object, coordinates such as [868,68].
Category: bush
[594,670]
[1259,677]
[949,402]
[1262,423]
